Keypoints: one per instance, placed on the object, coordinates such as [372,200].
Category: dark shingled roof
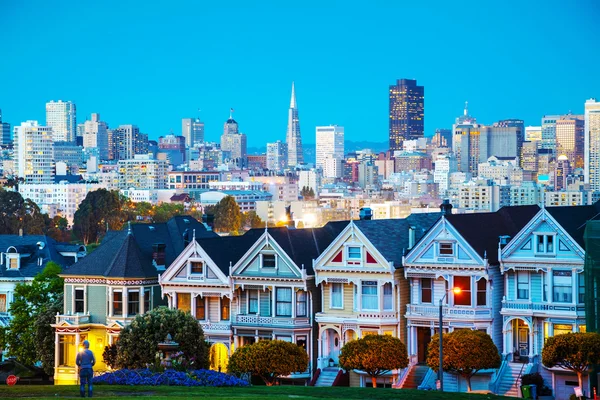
[124,255]
[28,244]
[574,218]
[483,230]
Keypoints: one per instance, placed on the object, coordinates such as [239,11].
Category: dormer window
[197,268]
[544,244]
[446,249]
[268,261]
[354,253]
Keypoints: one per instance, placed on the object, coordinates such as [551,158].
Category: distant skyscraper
[95,136]
[293,136]
[592,144]
[173,147]
[129,141]
[61,117]
[34,152]
[549,132]
[407,112]
[192,129]
[330,142]
[533,134]
[277,156]
[519,131]
[442,138]
[5,137]
[570,139]
[234,142]
[561,171]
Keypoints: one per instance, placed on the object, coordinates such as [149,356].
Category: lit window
[301,298]
[464,297]
[283,302]
[225,308]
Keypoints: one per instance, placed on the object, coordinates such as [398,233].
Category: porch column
[56,352]
[531,342]
[110,301]
[575,288]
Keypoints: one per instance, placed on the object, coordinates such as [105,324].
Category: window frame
[147,299]
[464,293]
[349,250]
[200,304]
[451,248]
[5,296]
[389,296]
[130,302]
[197,274]
[303,303]
[81,301]
[369,284]
[290,303]
[225,304]
[249,301]
[519,282]
[559,273]
[545,236]
[424,288]
[114,313]
[580,288]
[262,261]
[481,291]
[341,296]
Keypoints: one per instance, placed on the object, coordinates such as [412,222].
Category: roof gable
[180,270]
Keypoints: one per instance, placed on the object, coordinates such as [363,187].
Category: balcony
[468,313]
[528,308]
[358,317]
[77,319]
[223,327]
[257,320]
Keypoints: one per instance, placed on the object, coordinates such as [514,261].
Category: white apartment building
[592,144]
[34,152]
[568,198]
[499,171]
[527,193]
[235,185]
[332,167]
[277,156]
[445,165]
[61,117]
[479,196]
[330,142]
[152,196]
[58,198]
[310,179]
[95,136]
[142,172]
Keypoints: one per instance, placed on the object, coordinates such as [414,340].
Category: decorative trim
[108,281]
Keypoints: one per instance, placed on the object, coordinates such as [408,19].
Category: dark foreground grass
[236,393]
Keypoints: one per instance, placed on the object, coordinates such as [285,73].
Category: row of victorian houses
[520,271]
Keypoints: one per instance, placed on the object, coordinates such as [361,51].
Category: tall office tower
[277,156]
[465,141]
[34,152]
[549,132]
[95,136]
[5,138]
[234,142]
[407,112]
[112,143]
[61,117]
[561,170]
[592,144]
[293,137]
[192,129]
[533,134]
[570,138]
[128,141]
[330,142]
[529,156]
[519,126]
[445,165]
[173,147]
[442,138]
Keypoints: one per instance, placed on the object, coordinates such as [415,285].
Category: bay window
[184,302]
[482,292]
[79,301]
[336,296]
[200,308]
[426,290]
[117,303]
[301,299]
[464,297]
[522,285]
[133,303]
[225,308]
[388,298]
[252,301]
[562,286]
[283,302]
[369,295]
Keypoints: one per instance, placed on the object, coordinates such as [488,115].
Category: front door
[423,339]
[522,340]
[334,346]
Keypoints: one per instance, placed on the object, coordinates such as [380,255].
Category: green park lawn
[255,392]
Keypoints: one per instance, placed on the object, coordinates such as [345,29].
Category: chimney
[158,255]
[365,214]
[209,221]
[411,237]
[504,240]
[446,207]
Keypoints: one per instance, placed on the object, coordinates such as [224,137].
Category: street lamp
[455,290]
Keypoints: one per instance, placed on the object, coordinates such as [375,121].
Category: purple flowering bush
[170,377]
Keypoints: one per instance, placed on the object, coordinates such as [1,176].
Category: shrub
[110,355]
[375,355]
[138,342]
[269,359]
[533,379]
[201,377]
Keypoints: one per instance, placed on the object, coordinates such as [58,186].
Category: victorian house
[104,291]
[544,290]
[258,286]
[459,251]
[363,289]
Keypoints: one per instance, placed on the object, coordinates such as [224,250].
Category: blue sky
[153,63]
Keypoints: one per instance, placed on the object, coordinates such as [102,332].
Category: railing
[517,382]
[315,377]
[211,327]
[448,312]
[76,319]
[273,321]
[402,377]
[377,315]
[554,307]
[495,384]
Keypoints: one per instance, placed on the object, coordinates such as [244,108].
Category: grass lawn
[255,392]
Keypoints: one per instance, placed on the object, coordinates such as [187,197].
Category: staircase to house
[511,380]
[415,376]
[327,376]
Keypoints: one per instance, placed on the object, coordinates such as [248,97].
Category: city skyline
[155,83]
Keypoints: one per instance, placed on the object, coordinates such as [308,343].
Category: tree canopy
[307,193]
[375,355]
[228,217]
[269,359]
[18,213]
[100,209]
[576,352]
[250,220]
[29,336]
[138,342]
[465,352]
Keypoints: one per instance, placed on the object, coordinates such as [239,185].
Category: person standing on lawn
[85,361]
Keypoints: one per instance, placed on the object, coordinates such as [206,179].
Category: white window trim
[378,296]
[196,276]
[517,286]
[439,248]
[248,302]
[383,296]
[421,290]
[112,302]
[268,252]
[140,301]
[331,296]
[354,261]
[545,234]
[75,289]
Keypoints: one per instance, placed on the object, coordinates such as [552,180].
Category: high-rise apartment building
[570,139]
[192,129]
[406,111]
[445,165]
[95,136]
[61,117]
[549,132]
[5,137]
[127,141]
[561,170]
[277,156]
[293,137]
[330,142]
[142,172]
[592,144]
[234,142]
[34,152]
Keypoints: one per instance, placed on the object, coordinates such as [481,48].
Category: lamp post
[455,290]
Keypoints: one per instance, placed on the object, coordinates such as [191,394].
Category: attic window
[446,249]
[268,260]
[197,267]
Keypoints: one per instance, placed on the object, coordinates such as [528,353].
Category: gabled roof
[37,246]
[483,230]
[574,218]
